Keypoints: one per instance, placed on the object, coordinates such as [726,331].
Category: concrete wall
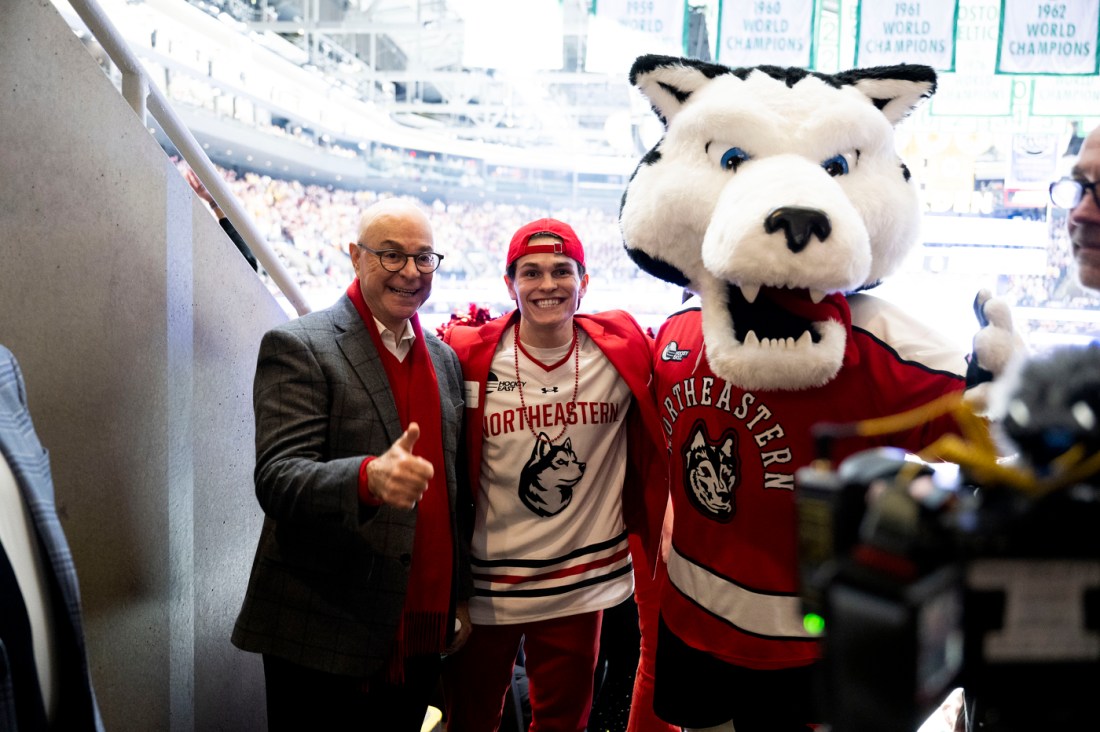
[136,323]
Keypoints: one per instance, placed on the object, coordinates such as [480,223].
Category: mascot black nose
[798,224]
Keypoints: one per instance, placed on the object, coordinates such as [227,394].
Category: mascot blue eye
[732,159]
[836,165]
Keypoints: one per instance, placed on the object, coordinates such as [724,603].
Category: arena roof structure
[498,71]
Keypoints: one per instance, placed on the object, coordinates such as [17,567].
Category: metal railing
[145,98]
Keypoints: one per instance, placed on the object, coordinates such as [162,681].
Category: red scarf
[423,625]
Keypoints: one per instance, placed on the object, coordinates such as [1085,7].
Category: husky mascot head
[773,193]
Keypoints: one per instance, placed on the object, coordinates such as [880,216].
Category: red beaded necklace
[576,383]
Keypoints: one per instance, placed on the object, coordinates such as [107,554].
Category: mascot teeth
[750,292]
[817,296]
[754,341]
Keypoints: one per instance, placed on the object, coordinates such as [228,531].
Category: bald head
[1092,141]
[1087,153]
[1084,218]
[390,210]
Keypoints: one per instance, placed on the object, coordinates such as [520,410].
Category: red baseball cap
[569,245]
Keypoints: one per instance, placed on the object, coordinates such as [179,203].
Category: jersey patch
[673,352]
[495,383]
[711,468]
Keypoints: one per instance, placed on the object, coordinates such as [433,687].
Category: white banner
[972,95]
[976,32]
[621,30]
[518,37]
[1034,161]
[907,32]
[777,32]
[1064,96]
[1048,37]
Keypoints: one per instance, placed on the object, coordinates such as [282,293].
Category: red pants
[647,595]
[561,664]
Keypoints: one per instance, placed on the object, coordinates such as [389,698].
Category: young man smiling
[562,435]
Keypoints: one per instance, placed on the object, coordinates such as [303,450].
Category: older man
[1078,194]
[359,577]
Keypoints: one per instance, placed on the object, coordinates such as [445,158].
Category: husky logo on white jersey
[547,480]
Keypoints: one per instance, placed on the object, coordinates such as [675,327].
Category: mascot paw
[996,344]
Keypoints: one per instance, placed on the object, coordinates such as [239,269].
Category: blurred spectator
[234,235]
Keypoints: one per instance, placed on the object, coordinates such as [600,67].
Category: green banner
[776,32]
[1049,37]
[907,32]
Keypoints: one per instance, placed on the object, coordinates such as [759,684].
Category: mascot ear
[895,90]
[668,81]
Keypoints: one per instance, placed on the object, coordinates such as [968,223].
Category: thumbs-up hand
[397,477]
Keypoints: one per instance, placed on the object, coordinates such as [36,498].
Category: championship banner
[907,33]
[1064,96]
[752,32]
[976,32]
[1048,37]
[972,95]
[621,30]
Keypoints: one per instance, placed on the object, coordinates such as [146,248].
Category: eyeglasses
[394,260]
[1067,193]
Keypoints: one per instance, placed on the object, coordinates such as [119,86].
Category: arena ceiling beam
[355,26]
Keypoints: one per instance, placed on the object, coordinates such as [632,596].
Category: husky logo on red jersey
[710,473]
[546,481]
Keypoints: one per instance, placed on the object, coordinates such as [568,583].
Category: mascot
[774,196]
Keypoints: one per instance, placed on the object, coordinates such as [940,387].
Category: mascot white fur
[774,195]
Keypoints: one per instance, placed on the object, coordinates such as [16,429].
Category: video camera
[978,573]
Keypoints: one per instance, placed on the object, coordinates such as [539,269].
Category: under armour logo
[549,389]
[673,353]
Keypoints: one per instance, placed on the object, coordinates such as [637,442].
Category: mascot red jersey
[774,195]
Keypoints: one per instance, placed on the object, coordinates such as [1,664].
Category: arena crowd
[310,225]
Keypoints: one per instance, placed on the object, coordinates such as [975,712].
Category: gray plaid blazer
[30,463]
[329,577]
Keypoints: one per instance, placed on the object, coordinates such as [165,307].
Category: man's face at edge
[1084,218]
